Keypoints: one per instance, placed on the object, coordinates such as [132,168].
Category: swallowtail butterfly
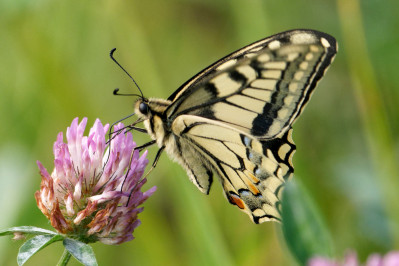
[234,119]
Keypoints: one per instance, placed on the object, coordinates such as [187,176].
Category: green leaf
[35,244]
[80,251]
[304,231]
[27,230]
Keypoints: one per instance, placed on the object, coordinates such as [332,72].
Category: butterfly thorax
[155,121]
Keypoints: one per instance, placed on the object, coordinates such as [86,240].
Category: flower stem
[64,258]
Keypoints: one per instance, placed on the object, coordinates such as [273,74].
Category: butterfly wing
[251,171]
[234,118]
[262,88]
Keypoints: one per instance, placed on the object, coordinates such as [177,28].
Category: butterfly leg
[152,167]
[139,148]
[155,161]
[139,129]
[145,145]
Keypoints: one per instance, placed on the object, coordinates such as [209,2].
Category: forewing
[252,172]
[262,88]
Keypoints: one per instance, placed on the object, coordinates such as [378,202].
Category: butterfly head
[152,113]
[146,108]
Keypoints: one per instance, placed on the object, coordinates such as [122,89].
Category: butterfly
[234,118]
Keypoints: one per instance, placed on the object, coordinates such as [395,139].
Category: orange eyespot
[234,199]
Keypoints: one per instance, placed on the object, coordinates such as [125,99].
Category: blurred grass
[370,103]
[55,66]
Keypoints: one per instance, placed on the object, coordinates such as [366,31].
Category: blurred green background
[54,66]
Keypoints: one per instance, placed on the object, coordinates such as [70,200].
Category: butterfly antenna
[111,54]
[116,92]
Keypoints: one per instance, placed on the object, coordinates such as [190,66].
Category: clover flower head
[94,191]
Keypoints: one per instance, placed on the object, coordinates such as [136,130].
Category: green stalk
[64,258]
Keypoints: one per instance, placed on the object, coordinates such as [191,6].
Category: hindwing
[251,171]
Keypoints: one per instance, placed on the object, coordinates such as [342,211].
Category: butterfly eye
[143,107]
